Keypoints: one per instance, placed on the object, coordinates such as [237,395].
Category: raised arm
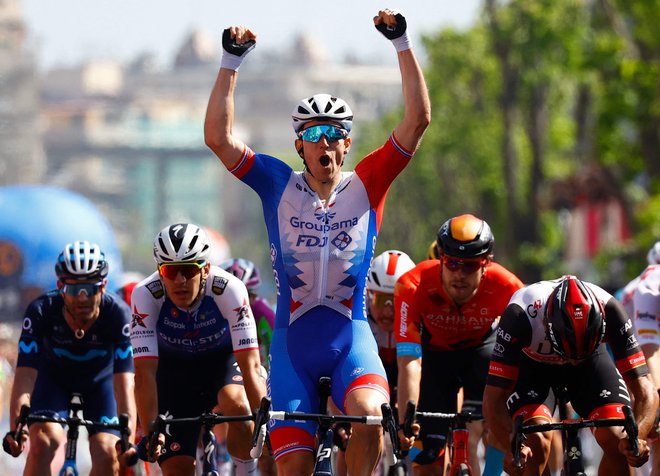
[417,106]
[237,41]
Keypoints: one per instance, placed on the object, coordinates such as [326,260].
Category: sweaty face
[82,299]
[461,278]
[324,158]
[381,308]
[183,282]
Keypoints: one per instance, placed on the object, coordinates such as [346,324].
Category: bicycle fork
[459,448]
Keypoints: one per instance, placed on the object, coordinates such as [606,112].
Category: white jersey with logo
[646,305]
[221,321]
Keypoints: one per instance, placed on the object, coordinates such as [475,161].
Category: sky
[67,32]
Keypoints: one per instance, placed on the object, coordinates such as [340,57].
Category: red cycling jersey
[420,302]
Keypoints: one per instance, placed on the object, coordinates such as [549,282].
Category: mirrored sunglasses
[187,270]
[467,265]
[88,289]
[314,133]
[381,299]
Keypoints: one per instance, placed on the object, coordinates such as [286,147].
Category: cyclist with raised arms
[322,226]
[264,316]
[551,334]
[446,313]
[195,345]
[74,340]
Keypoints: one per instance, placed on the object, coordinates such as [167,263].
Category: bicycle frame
[457,442]
[207,421]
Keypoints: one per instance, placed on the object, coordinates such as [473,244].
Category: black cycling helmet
[465,236]
[81,260]
[574,319]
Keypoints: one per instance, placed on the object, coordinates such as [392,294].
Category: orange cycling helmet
[574,319]
[465,236]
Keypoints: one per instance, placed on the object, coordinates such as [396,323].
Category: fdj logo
[311,241]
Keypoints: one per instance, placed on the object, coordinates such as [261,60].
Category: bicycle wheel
[462,470]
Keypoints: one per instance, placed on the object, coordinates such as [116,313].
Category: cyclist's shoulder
[496,274]
[535,294]
[45,302]
[649,281]
[150,287]
[425,274]
[114,308]
[223,287]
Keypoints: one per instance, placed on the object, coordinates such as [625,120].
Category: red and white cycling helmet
[245,270]
[81,260]
[181,243]
[386,268]
[322,107]
[574,319]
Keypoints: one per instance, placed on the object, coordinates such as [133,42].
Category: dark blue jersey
[48,344]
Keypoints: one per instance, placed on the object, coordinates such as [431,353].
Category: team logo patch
[156,289]
[175,447]
[242,312]
[237,378]
[218,285]
[342,240]
[138,318]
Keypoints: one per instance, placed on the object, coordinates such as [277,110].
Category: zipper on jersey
[325,250]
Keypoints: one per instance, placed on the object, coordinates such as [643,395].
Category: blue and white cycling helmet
[181,243]
[81,260]
[245,270]
[322,107]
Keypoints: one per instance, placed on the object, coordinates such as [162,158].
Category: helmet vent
[374,277]
[192,243]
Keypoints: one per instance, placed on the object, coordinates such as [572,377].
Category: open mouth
[325,160]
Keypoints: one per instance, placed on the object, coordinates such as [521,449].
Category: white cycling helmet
[321,107]
[81,260]
[181,243]
[386,268]
[653,257]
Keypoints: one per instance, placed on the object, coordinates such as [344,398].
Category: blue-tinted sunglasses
[89,289]
[314,133]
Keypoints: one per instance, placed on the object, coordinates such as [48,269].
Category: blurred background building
[129,137]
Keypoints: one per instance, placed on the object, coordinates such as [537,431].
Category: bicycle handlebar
[260,430]
[24,418]
[628,422]
[389,424]
[630,425]
[20,423]
[460,416]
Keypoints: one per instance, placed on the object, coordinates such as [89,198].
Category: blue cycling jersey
[48,344]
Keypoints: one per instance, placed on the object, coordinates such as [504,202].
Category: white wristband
[230,61]
[402,43]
